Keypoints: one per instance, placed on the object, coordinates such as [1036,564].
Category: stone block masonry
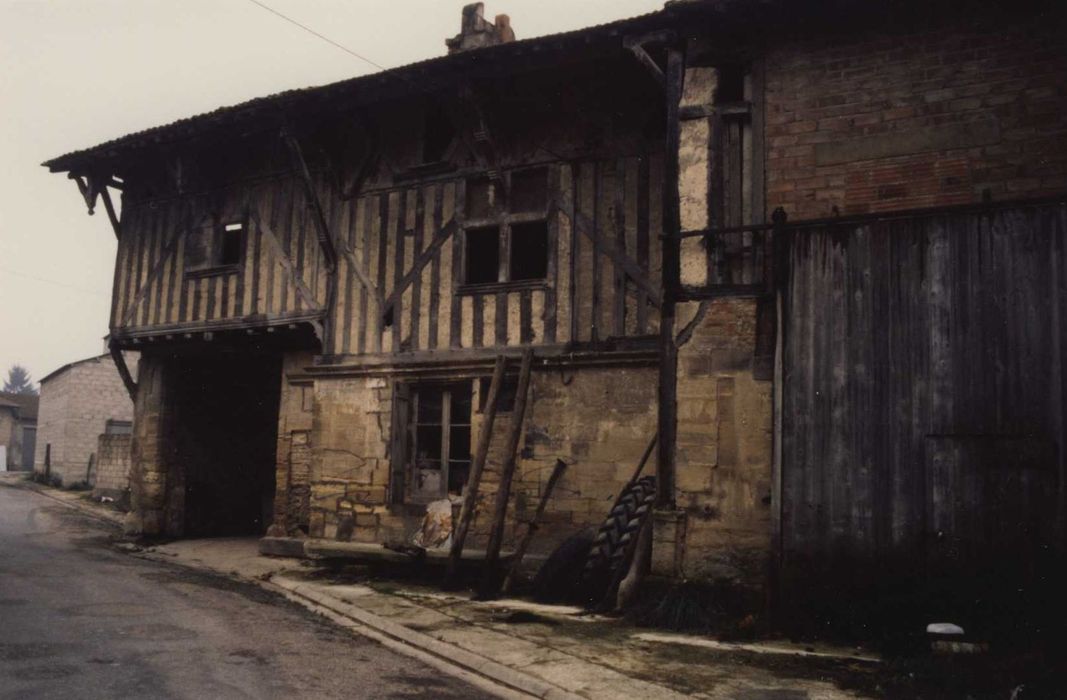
[112,465]
[76,404]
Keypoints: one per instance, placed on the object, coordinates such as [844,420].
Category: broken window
[439,440]
[214,247]
[515,235]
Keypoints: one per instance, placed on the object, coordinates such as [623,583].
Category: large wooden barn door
[923,393]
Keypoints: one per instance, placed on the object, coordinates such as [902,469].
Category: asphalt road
[79,619]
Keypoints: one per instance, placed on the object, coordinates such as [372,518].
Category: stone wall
[75,407]
[724,456]
[598,420]
[10,437]
[883,121]
[112,465]
[150,498]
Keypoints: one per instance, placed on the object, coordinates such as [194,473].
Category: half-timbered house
[769,236]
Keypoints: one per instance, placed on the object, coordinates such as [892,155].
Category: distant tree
[18,381]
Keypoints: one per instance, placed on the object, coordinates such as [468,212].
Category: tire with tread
[610,551]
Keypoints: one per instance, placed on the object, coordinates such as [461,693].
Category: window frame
[412,494]
[503,219]
[220,228]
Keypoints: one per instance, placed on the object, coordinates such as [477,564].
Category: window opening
[232,237]
[118,427]
[529,251]
[483,255]
[440,440]
[515,247]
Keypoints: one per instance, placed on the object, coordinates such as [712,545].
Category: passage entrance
[225,429]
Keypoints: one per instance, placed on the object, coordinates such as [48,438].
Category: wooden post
[470,496]
[668,361]
[489,587]
[524,543]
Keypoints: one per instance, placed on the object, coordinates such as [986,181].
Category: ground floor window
[438,446]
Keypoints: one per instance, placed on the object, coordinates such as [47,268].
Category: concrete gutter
[508,677]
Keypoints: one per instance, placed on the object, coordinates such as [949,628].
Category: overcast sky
[74,73]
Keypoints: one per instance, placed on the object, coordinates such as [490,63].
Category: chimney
[476,32]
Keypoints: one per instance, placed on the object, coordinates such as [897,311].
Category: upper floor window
[216,247]
[507,236]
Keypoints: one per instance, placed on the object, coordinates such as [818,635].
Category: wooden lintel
[124,371]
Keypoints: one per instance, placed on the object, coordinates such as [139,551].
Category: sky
[75,73]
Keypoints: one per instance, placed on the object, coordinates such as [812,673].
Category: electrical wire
[83,290]
[327,39]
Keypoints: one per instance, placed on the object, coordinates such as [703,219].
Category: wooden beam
[110,207]
[667,400]
[326,242]
[124,371]
[490,587]
[474,478]
[87,189]
[306,295]
[423,260]
[531,528]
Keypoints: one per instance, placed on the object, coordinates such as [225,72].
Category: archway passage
[225,437]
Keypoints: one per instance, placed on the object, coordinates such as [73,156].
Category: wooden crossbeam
[634,271]
[322,229]
[302,289]
[424,259]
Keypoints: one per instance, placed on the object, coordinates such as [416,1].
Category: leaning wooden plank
[531,528]
[474,478]
[490,581]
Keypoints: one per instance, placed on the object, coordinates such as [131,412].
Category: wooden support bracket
[636,45]
[124,371]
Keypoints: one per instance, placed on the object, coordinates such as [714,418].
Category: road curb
[98,513]
[498,673]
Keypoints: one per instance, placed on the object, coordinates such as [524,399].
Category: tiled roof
[411,77]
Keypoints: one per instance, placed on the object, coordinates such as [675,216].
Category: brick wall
[915,119]
[74,409]
[112,465]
